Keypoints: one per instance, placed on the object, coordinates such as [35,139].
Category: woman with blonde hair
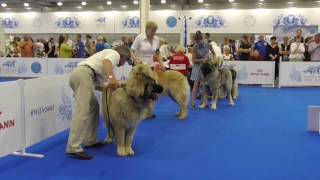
[179,61]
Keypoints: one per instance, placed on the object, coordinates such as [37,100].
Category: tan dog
[176,86]
[125,107]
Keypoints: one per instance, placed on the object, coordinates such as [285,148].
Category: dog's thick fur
[221,83]
[177,87]
[127,106]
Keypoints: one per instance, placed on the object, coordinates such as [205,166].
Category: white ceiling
[100,5]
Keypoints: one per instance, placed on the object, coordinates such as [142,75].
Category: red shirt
[179,62]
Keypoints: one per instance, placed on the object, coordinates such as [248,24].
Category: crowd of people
[65,47]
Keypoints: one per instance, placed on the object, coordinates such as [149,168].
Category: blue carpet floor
[263,137]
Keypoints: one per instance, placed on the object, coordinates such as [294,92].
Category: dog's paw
[202,106]
[213,107]
[235,97]
[231,104]
[121,152]
[182,116]
[129,151]
[177,114]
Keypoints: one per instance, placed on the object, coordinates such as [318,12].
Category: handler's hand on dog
[113,83]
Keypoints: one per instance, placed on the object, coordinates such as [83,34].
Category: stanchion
[23,152]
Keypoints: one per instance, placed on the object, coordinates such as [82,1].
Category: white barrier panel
[59,66]
[299,74]
[48,107]
[314,118]
[253,72]
[10,118]
[23,67]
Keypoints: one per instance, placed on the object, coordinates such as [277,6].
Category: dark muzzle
[157,88]
[205,69]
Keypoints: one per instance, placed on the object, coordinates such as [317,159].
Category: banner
[300,74]
[48,107]
[253,72]
[10,118]
[59,66]
[23,67]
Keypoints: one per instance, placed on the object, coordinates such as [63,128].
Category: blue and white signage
[210,22]
[67,23]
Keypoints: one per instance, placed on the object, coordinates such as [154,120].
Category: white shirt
[164,51]
[144,49]
[299,54]
[96,62]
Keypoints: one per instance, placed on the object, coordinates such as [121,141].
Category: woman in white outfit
[145,45]
[297,51]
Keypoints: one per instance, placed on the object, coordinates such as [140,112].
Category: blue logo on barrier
[291,20]
[65,109]
[9,64]
[171,21]
[9,23]
[131,22]
[210,22]
[312,70]
[36,67]
[295,75]
[70,66]
[68,22]
[58,69]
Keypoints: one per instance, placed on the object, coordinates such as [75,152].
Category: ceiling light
[29,8]
[83,3]
[26,4]
[109,2]
[3,4]
[135,2]
[261,0]
[59,3]
[200,1]
[231,1]
[79,7]
[163,1]
[290,2]
[124,6]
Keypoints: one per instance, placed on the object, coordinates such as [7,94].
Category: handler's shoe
[80,156]
[96,145]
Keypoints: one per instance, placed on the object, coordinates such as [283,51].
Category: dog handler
[95,71]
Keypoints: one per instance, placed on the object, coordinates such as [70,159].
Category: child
[227,56]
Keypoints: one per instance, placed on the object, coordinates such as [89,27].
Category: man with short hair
[314,48]
[93,72]
[80,51]
[261,47]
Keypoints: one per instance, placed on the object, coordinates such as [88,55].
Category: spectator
[99,44]
[65,51]
[227,56]
[274,54]
[80,51]
[164,50]
[39,48]
[261,47]
[245,49]
[207,38]
[68,40]
[285,49]
[307,56]
[130,42]
[297,51]
[124,41]
[26,47]
[299,36]
[233,49]
[314,48]
[89,46]
[226,43]
[179,61]
[106,44]
[52,48]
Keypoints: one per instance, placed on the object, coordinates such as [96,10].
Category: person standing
[244,49]
[307,56]
[26,47]
[95,71]
[314,48]
[79,48]
[52,48]
[274,54]
[145,45]
[261,47]
[297,51]
[285,49]
[65,51]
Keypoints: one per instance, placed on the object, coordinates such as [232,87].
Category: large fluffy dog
[124,108]
[220,81]
[177,87]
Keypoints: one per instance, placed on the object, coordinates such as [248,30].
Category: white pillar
[144,14]
[2,41]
